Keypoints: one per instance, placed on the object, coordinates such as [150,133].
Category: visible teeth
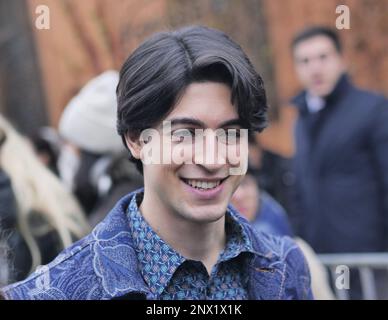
[203,184]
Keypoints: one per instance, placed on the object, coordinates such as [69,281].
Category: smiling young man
[185,99]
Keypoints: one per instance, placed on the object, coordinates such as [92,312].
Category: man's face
[195,190]
[318,65]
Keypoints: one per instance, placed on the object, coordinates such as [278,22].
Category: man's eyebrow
[231,122]
[187,121]
[198,123]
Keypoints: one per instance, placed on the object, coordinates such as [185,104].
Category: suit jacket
[341,169]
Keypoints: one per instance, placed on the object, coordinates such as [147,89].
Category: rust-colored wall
[84,39]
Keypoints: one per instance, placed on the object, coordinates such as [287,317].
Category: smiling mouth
[203,185]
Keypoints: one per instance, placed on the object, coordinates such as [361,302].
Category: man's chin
[206,214]
[321,91]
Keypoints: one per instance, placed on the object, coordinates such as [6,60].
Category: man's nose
[211,154]
[316,65]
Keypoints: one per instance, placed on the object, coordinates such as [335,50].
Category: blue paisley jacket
[103,265]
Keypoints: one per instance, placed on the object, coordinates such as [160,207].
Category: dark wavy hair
[154,76]
[314,31]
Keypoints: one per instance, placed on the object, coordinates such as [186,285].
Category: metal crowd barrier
[366,263]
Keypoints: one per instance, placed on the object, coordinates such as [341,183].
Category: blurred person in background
[38,216]
[264,212]
[341,158]
[272,171]
[9,234]
[123,178]
[266,215]
[47,144]
[92,150]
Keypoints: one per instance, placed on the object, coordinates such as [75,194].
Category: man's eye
[304,61]
[236,133]
[229,136]
[181,134]
[323,57]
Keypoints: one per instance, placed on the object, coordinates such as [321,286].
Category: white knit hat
[89,120]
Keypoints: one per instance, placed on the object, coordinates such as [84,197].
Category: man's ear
[133,145]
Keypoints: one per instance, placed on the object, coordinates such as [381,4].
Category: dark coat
[341,170]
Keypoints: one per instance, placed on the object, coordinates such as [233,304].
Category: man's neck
[195,241]
[314,102]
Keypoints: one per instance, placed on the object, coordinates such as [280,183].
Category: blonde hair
[36,189]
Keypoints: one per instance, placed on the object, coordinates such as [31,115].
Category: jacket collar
[114,234]
[114,254]
[340,89]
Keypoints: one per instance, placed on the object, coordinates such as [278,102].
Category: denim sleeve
[297,282]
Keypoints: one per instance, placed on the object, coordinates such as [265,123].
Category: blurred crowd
[56,185]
